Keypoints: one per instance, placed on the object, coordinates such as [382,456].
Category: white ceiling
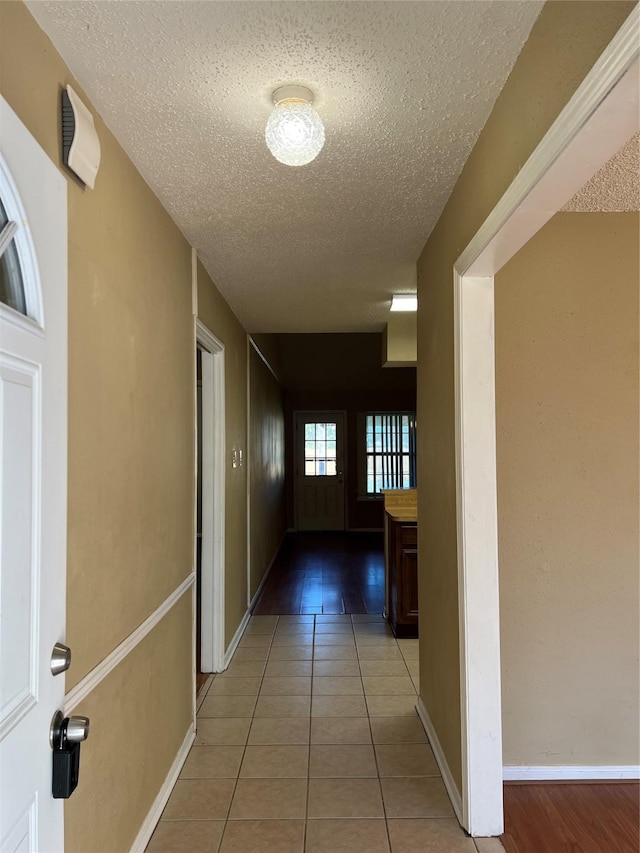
[615,187]
[404,89]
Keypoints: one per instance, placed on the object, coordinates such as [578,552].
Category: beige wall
[399,341]
[131,457]
[564,44]
[216,315]
[266,467]
[140,715]
[130,366]
[567,442]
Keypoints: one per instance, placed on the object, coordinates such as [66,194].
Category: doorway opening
[210,503]
[597,121]
[200,675]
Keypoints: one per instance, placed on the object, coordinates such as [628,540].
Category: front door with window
[320,470]
[33,482]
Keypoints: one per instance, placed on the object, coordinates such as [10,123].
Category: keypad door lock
[65,736]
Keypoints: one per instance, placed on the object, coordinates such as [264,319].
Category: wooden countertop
[401,504]
[403,513]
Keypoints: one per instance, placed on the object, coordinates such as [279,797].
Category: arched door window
[12,292]
[20,285]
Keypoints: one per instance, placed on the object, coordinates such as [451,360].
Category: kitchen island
[401,560]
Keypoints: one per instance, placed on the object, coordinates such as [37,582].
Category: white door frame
[596,122]
[212,567]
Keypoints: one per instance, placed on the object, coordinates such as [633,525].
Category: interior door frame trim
[212,593]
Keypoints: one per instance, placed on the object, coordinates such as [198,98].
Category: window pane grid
[320,450]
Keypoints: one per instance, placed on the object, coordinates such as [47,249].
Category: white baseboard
[255,598]
[152,818]
[233,645]
[202,695]
[447,776]
[579,773]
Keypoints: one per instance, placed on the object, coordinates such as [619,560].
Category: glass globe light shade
[294,132]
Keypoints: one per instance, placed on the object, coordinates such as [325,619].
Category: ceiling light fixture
[294,132]
[405,302]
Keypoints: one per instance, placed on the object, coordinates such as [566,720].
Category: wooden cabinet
[402,575]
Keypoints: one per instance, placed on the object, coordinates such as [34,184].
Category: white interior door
[320,470]
[33,482]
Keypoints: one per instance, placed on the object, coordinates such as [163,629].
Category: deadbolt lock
[60,658]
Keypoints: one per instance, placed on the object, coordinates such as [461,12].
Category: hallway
[310,743]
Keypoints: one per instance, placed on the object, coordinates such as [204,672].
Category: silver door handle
[65,730]
[77,729]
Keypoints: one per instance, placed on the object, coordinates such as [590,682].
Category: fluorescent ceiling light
[406,302]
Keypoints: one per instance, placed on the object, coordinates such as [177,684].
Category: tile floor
[310,743]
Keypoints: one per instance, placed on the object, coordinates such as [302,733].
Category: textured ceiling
[615,187]
[403,88]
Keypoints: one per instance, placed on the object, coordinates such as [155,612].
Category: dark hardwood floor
[572,817]
[326,573]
